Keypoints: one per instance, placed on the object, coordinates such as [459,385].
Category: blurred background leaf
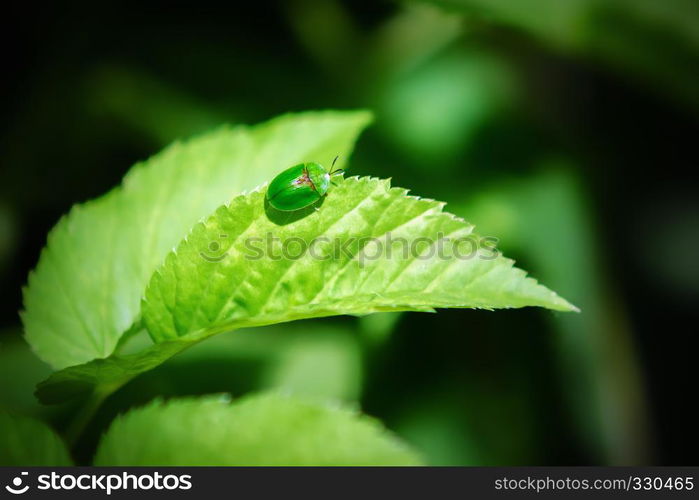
[656,41]
[594,352]
[25,441]
[266,429]
[24,369]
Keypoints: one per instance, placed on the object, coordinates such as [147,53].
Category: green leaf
[104,376]
[29,442]
[196,294]
[247,285]
[267,429]
[86,290]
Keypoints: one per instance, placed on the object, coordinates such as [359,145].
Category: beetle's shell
[298,186]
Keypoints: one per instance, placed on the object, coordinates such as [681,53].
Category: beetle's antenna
[339,171]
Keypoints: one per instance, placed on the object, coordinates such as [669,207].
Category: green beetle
[300,186]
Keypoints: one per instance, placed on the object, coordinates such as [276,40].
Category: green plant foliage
[20,371]
[249,285]
[85,292]
[197,293]
[609,411]
[29,442]
[154,108]
[433,112]
[320,359]
[103,376]
[325,364]
[658,41]
[267,429]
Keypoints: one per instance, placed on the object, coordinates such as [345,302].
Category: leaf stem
[84,415]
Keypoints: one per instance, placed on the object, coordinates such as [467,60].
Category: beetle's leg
[334,173]
[339,171]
